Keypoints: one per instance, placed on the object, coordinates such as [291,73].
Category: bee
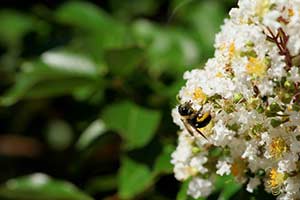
[193,119]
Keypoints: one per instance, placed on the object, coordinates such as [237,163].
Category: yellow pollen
[256,67]
[199,95]
[291,12]
[235,169]
[231,50]
[278,147]
[262,7]
[238,167]
[192,171]
[275,179]
[219,75]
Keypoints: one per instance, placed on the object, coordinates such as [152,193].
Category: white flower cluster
[251,90]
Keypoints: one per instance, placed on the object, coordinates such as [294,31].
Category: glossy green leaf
[94,23]
[14,25]
[94,130]
[102,184]
[123,61]
[83,15]
[227,185]
[205,18]
[182,194]
[136,125]
[56,74]
[167,49]
[40,186]
[130,8]
[134,178]
[163,161]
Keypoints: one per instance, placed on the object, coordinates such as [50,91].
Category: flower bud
[289,85]
[260,172]
[274,107]
[237,97]
[275,122]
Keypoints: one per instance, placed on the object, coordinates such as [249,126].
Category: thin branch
[281,40]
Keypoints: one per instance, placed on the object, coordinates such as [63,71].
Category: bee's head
[185,109]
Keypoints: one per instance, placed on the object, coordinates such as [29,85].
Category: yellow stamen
[231,50]
[256,67]
[200,96]
[262,8]
[219,75]
[238,168]
[291,12]
[192,171]
[275,179]
[235,169]
[278,147]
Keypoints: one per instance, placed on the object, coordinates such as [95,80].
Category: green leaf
[14,25]
[40,186]
[211,15]
[94,130]
[136,125]
[182,194]
[134,178]
[83,15]
[57,73]
[167,49]
[130,8]
[163,161]
[123,61]
[102,184]
[101,30]
[227,185]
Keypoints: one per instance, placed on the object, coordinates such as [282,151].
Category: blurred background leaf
[40,186]
[136,125]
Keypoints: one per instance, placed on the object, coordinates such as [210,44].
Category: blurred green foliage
[86,93]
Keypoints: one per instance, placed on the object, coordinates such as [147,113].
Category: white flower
[223,168]
[294,74]
[250,152]
[252,184]
[199,188]
[183,171]
[222,135]
[270,20]
[181,157]
[293,185]
[197,163]
[250,88]
[183,151]
[177,118]
[287,165]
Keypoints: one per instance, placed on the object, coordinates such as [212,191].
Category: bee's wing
[192,130]
[198,131]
